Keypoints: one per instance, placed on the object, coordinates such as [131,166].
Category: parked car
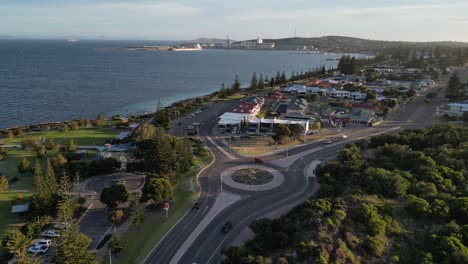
[38,249]
[189,117]
[312,132]
[327,142]
[226,227]
[197,205]
[50,233]
[259,161]
[345,136]
[179,123]
[61,225]
[43,242]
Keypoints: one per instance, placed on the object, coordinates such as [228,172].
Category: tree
[50,145]
[253,81]
[157,190]
[137,215]
[261,82]
[162,119]
[100,118]
[17,243]
[454,89]
[71,145]
[74,125]
[24,166]
[116,244]
[116,216]
[3,183]
[144,132]
[113,195]
[63,128]
[10,134]
[41,152]
[236,86]
[72,247]
[281,131]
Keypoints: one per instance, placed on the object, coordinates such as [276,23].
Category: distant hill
[206,41]
[350,44]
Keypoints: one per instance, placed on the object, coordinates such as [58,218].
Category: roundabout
[252,178]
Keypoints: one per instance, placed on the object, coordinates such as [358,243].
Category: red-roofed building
[247,108]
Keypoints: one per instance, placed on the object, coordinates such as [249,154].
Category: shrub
[116,217]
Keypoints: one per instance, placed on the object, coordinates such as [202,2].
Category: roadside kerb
[286,162]
[199,193]
[222,201]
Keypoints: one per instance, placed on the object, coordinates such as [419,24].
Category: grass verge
[141,240]
[84,136]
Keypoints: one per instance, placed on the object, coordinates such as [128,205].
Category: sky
[407,20]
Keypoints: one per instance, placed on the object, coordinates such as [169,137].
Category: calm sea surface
[55,80]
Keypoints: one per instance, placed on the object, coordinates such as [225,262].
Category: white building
[458,108]
[358,96]
[340,94]
[267,126]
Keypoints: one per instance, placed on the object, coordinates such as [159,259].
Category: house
[297,107]
[247,108]
[123,135]
[340,94]
[231,122]
[20,208]
[458,108]
[357,96]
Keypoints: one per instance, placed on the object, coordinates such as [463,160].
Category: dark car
[197,205]
[259,161]
[179,123]
[226,227]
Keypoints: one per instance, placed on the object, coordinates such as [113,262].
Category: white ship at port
[187,48]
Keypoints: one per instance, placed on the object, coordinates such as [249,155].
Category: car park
[50,233]
[226,227]
[38,249]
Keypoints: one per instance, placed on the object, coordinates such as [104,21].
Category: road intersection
[196,238]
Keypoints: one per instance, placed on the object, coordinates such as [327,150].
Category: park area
[21,185]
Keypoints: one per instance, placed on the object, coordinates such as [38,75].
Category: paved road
[206,248]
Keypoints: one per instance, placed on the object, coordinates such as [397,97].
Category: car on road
[50,233]
[38,249]
[189,117]
[327,142]
[427,101]
[259,161]
[197,205]
[344,136]
[43,242]
[226,227]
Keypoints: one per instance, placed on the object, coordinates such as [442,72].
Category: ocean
[53,80]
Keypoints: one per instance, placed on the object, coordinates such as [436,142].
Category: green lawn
[141,240]
[236,96]
[84,136]
[23,187]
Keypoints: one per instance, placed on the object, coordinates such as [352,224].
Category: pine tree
[116,244]
[278,78]
[100,118]
[137,215]
[253,81]
[71,145]
[236,86]
[323,71]
[261,83]
[283,78]
[454,89]
[72,247]
[50,178]
[39,183]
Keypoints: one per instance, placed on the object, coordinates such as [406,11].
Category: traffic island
[252,178]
